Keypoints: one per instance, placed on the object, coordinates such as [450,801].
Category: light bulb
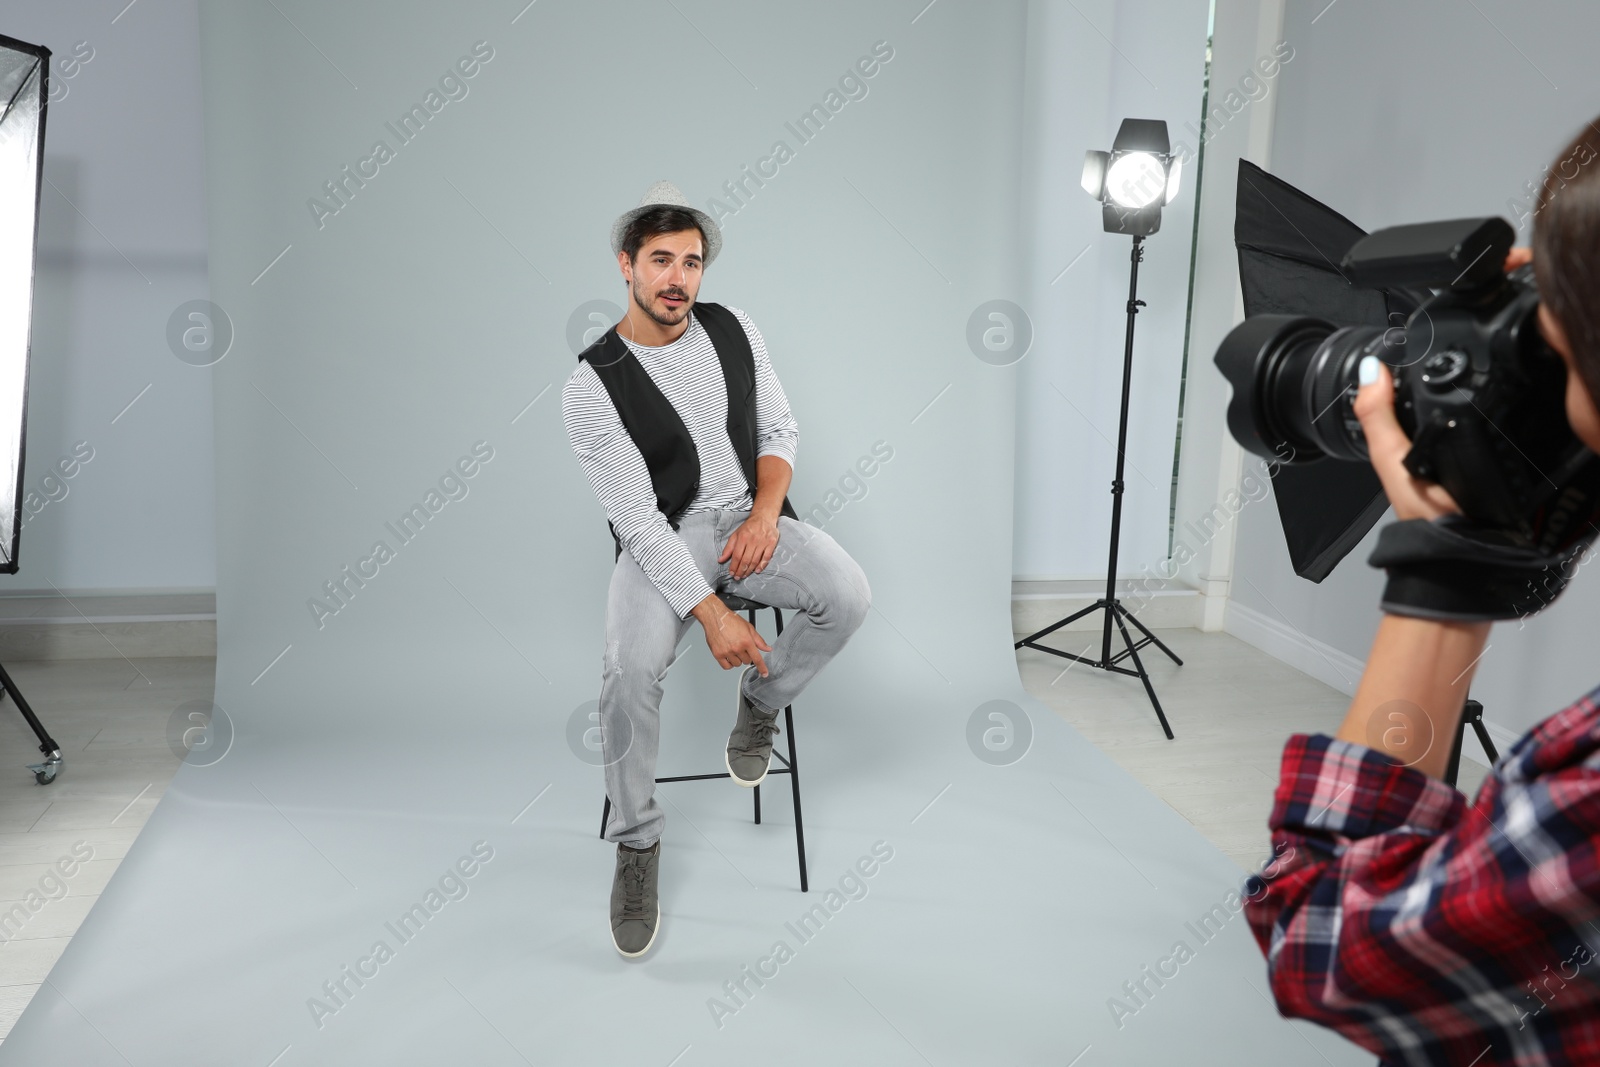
[1136,180]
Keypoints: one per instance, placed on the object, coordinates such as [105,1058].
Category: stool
[739,603]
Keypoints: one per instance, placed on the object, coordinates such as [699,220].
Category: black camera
[1477,389]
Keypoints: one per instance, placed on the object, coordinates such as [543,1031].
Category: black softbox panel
[1290,247]
[24,94]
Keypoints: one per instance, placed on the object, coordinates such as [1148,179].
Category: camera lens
[1294,382]
[1336,364]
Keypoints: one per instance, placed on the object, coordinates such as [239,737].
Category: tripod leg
[1483,739]
[605,814]
[1143,677]
[1482,731]
[1154,640]
[1053,627]
[47,744]
[1452,767]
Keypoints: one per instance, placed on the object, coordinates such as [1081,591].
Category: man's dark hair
[655,222]
[1566,249]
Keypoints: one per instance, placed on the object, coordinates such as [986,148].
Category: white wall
[1248,52]
[1091,64]
[124,145]
[122,243]
[1394,113]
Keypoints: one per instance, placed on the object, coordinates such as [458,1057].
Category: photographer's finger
[1388,446]
[1386,441]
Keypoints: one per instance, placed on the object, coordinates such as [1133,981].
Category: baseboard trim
[108,626]
[1283,642]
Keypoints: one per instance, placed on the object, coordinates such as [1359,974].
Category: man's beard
[667,318]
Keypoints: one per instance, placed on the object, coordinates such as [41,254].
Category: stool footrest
[724,774]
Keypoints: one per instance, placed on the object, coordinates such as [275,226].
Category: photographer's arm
[1409,702]
[1410,699]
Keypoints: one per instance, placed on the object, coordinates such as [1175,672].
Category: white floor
[111,718]
[1230,706]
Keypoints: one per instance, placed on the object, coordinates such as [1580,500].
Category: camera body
[1477,389]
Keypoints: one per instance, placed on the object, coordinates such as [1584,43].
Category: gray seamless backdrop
[433,309]
[431,712]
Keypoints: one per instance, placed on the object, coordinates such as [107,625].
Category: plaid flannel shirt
[1429,931]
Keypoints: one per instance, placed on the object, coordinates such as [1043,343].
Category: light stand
[1133,181]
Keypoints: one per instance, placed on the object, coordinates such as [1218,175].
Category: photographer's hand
[1387,445]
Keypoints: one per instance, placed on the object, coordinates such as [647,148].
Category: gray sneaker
[635,911]
[750,743]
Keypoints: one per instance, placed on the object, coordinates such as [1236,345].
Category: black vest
[654,424]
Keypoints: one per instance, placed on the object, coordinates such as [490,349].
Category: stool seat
[736,602]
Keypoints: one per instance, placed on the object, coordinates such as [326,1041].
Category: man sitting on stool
[685,435]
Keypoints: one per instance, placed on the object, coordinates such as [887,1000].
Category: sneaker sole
[653,932]
[748,785]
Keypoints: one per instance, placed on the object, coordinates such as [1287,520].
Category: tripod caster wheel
[45,773]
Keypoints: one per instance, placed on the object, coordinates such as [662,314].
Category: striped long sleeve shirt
[1434,931]
[689,375]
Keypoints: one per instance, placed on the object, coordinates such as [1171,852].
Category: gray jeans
[808,572]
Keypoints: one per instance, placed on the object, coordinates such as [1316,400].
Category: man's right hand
[732,639]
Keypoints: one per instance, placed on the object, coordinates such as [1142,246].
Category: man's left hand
[750,547]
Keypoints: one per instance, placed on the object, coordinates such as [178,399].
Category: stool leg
[794,785]
[605,813]
[794,778]
[757,789]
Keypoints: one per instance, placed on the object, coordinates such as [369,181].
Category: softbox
[24,76]
[1290,247]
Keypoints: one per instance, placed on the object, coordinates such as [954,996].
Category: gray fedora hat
[664,193]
